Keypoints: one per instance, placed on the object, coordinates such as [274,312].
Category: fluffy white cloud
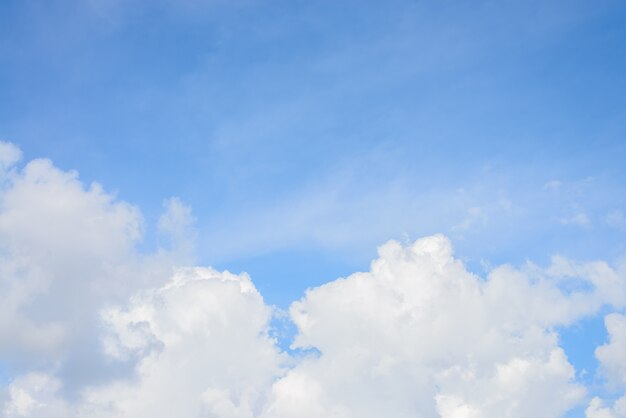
[418,335]
[66,251]
[612,357]
[204,346]
[62,248]
[92,328]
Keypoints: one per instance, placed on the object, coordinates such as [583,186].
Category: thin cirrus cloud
[91,327]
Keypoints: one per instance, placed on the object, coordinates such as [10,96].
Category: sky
[330,208]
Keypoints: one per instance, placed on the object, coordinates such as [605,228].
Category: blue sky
[256,111]
[305,134]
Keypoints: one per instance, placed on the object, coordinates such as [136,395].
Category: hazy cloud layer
[91,327]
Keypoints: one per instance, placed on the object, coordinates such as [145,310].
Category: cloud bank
[92,327]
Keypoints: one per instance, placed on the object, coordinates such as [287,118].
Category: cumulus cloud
[62,247]
[92,328]
[418,335]
[612,358]
[66,250]
[204,346]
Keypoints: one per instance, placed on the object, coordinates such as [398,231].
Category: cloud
[474,216]
[9,155]
[61,247]
[204,346]
[612,358]
[176,226]
[35,395]
[418,335]
[597,409]
[66,251]
[90,327]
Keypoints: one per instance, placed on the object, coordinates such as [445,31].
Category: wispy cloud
[615,219]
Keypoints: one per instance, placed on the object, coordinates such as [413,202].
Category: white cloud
[420,336]
[66,251]
[204,348]
[92,328]
[9,155]
[612,356]
[63,247]
[597,409]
